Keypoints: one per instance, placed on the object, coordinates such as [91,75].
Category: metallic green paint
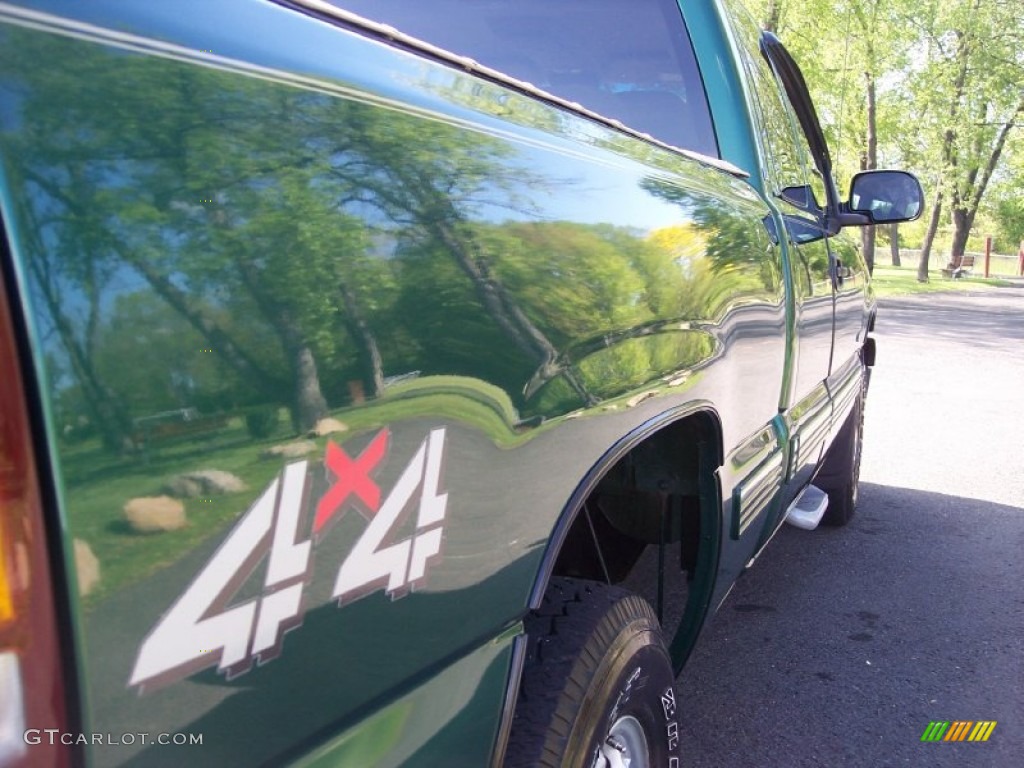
[450,719]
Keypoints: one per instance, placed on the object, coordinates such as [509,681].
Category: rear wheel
[840,473]
[598,687]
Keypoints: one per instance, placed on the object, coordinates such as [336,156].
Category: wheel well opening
[644,524]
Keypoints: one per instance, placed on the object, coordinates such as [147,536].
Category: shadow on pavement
[841,645]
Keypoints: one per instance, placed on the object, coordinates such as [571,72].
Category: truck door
[796,193]
[850,278]
[847,270]
[814,324]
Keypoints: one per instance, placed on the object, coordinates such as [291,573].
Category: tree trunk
[418,195]
[962,222]
[867,241]
[107,410]
[949,156]
[894,244]
[363,337]
[870,162]
[500,306]
[929,238]
[965,210]
[219,340]
[309,404]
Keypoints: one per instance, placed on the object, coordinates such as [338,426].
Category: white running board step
[808,509]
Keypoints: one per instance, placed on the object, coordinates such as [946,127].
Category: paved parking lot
[840,646]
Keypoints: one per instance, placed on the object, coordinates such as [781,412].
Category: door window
[630,60]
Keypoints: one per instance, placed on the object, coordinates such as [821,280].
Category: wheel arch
[699,424]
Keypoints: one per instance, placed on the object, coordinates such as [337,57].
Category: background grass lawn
[901,281]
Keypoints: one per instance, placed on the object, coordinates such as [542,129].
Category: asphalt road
[841,645]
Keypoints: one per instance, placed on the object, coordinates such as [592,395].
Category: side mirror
[886,197]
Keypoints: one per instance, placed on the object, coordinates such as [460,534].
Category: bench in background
[957,268]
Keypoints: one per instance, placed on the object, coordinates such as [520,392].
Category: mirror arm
[847,219]
[833,221]
[831,224]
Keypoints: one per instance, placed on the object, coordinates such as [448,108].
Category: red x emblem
[353,478]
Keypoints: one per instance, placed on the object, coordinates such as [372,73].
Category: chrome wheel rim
[625,746]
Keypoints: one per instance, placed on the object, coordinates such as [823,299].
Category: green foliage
[644,361]
[261,421]
[947,75]
[1010,221]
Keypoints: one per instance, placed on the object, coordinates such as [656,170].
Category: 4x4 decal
[201,629]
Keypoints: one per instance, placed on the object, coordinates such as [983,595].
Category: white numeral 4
[401,565]
[198,631]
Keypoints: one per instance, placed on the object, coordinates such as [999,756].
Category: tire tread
[569,634]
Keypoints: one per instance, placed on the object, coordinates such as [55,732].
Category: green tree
[975,70]
[849,52]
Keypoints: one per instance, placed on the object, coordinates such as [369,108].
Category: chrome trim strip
[753,496]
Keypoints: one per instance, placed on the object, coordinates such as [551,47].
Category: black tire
[839,476]
[596,666]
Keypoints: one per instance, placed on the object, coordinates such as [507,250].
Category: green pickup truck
[405,382]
